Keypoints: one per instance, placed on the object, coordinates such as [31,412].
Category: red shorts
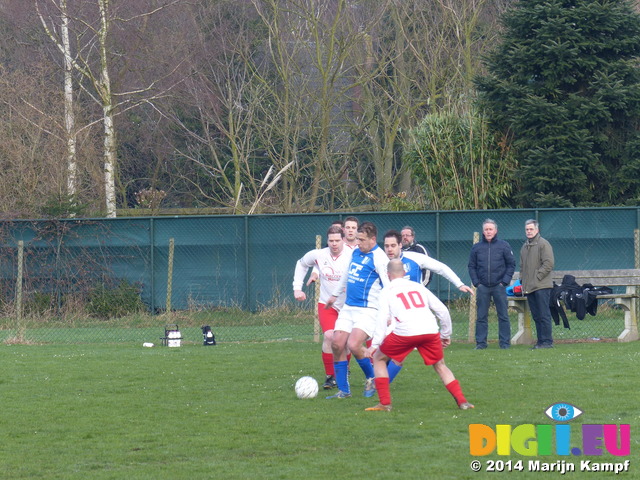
[429,346]
[327,317]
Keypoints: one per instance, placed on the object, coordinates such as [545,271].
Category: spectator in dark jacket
[491,266]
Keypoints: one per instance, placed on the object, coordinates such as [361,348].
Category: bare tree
[257,109]
[312,47]
[32,141]
[422,58]
[92,31]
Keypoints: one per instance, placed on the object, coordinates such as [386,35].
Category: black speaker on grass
[209,337]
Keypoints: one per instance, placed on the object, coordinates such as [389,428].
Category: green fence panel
[209,262]
[248,261]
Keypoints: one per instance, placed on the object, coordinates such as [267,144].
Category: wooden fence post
[19,325]
[316,318]
[170,276]
[472,302]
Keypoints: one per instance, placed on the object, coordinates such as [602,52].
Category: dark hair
[335,229]
[395,234]
[338,222]
[369,229]
[351,219]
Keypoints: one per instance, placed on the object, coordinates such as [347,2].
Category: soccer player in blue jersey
[366,275]
[414,263]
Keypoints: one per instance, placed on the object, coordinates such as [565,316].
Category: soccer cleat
[466,406]
[329,383]
[369,388]
[340,394]
[379,408]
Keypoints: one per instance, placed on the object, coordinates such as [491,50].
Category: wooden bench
[628,301]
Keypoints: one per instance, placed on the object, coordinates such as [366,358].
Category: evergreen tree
[564,85]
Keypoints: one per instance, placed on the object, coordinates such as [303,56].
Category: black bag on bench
[580,299]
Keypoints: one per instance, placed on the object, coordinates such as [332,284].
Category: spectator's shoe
[329,383]
[379,408]
[480,347]
[369,388]
[340,394]
[466,406]
[542,345]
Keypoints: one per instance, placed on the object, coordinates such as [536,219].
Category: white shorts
[363,318]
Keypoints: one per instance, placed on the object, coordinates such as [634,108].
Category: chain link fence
[111,280]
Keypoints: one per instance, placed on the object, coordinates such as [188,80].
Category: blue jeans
[483,299]
[539,306]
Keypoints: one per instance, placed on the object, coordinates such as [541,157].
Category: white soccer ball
[306,387]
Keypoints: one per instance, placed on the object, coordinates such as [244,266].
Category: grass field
[121,411]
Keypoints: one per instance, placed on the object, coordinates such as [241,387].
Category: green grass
[234,325]
[106,411]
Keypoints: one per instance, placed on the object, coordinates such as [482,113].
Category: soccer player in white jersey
[407,310]
[366,276]
[331,264]
[414,263]
[350,226]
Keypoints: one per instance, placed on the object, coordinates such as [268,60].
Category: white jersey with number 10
[410,309]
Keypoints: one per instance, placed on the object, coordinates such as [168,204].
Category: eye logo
[562,412]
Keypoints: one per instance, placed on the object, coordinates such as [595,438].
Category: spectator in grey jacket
[491,266]
[536,265]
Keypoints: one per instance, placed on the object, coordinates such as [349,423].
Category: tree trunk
[69,116]
[107,111]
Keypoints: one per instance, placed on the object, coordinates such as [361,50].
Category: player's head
[335,239]
[333,229]
[392,244]
[351,229]
[339,223]
[408,236]
[367,233]
[395,269]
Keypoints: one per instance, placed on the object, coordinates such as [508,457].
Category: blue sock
[394,369]
[340,369]
[367,368]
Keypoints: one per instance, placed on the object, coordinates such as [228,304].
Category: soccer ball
[306,387]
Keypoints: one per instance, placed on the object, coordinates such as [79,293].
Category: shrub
[110,302]
[39,303]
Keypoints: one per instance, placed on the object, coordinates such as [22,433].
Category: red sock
[327,359]
[456,391]
[382,386]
